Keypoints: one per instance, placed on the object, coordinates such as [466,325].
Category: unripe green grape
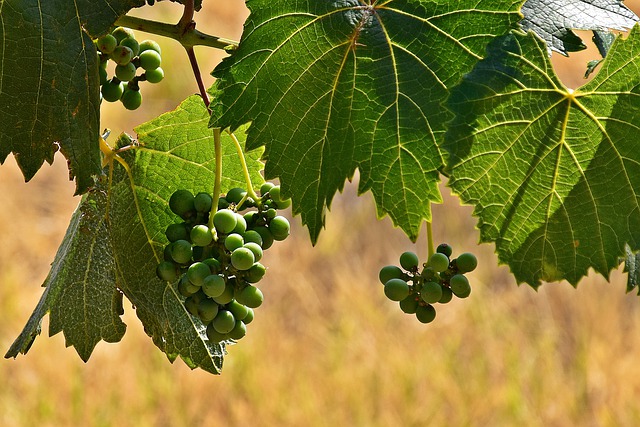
[409,261]
[166,254]
[177,232]
[197,272]
[266,187]
[279,227]
[121,55]
[207,310]
[112,90]
[466,262]
[409,304]
[242,258]
[250,218]
[396,289]
[460,286]
[439,262]
[241,225]
[131,99]
[431,292]
[150,60]
[256,249]
[233,241]
[238,331]
[202,202]
[283,204]
[154,76]
[150,45]
[186,288]
[213,285]
[214,265]
[225,297]
[238,310]
[121,33]
[104,77]
[390,272]
[181,251]
[270,213]
[429,274]
[224,322]
[181,203]
[214,335]
[107,43]
[447,295]
[267,237]
[167,271]
[251,296]
[255,273]
[249,318]
[252,236]
[132,44]
[201,235]
[445,249]
[274,193]
[426,313]
[126,72]
[191,304]
[235,195]
[225,221]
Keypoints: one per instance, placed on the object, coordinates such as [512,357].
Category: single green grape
[112,90]
[242,258]
[132,44]
[235,195]
[241,225]
[213,285]
[126,72]
[396,289]
[202,202]
[166,254]
[439,262]
[121,33]
[429,274]
[214,335]
[201,235]
[154,76]
[426,313]
[131,99]
[207,310]
[225,221]
[409,261]
[279,227]
[389,272]
[409,304]
[447,295]
[226,296]
[121,55]
[177,231]
[167,271]
[274,193]
[266,187]
[251,218]
[150,60]
[214,265]
[150,45]
[255,273]
[197,272]
[186,288]
[256,249]
[181,251]
[249,318]
[251,296]
[191,304]
[224,322]
[267,237]
[466,262]
[270,213]
[107,43]
[283,204]
[252,236]
[181,203]
[233,241]
[460,286]
[431,292]
[238,310]
[445,249]
[238,331]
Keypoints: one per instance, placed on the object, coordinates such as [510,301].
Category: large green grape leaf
[49,86]
[554,20]
[335,86]
[554,174]
[174,151]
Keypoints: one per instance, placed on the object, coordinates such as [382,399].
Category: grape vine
[402,91]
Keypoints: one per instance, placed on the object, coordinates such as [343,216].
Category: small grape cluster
[217,268]
[440,279]
[121,47]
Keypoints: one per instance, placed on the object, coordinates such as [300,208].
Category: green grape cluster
[121,47]
[217,268]
[439,280]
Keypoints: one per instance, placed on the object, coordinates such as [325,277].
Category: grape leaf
[632,268]
[553,20]
[49,85]
[331,87]
[175,151]
[554,174]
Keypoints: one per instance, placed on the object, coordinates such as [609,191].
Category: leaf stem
[217,144]
[430,248]
[196,72]
[187,37]
[245,170]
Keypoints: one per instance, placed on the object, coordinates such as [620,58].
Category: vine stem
[196,72]
[217,144]
[430,248]
[245,169]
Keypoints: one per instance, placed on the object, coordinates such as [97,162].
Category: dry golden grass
[327,348]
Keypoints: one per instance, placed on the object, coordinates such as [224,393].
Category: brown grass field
[327,348]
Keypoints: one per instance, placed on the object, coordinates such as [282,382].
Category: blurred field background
[327,348]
